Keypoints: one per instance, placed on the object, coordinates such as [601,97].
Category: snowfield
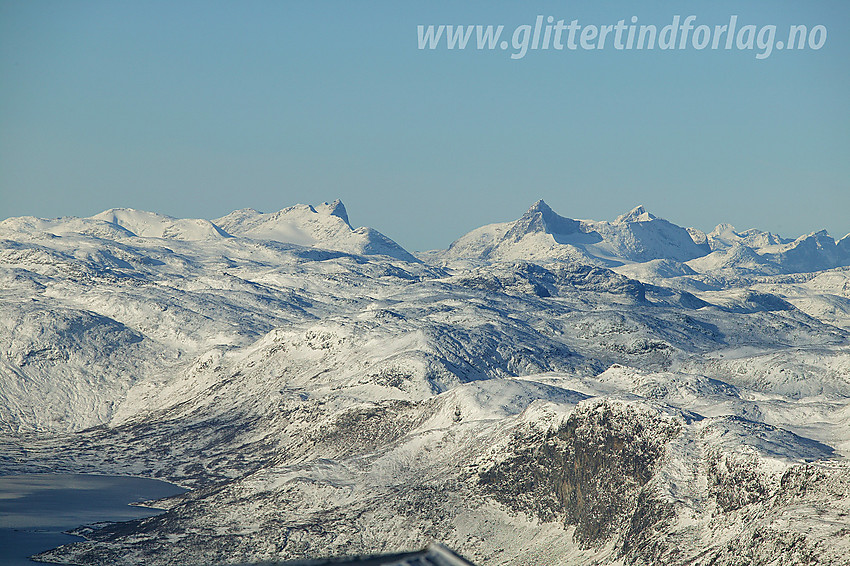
[547,391]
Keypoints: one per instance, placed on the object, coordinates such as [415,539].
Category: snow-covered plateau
[547,391]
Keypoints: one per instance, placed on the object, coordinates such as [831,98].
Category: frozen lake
[36,508]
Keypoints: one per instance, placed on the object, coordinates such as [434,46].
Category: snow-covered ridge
[540,234]
[153,225]
[639,236]
[324,226]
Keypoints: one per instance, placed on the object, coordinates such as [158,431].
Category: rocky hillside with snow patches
[544,391]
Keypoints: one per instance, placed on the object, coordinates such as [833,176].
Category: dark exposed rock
[734,480]
[531,279]
[589,472]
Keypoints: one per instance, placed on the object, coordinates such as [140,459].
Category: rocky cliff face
[590,472]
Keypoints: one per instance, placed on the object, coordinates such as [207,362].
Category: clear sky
[195,109]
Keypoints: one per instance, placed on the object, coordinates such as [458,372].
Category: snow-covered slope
[555,391]
[764,253]
[737,256]
[638,238]
[153,225]
[324,226]
[724,236]
[542,235]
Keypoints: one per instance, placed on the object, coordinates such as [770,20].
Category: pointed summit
[323,226]
[637,214]
[541,218]
[543,235]
[540,206]
[724,229]
[336,208]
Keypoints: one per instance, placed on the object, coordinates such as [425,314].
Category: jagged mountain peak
[540,206]
[823,234]
[637,214]
[541,218]
[723,229]
[543,235]
[325,226]
[820,239]
[335,208]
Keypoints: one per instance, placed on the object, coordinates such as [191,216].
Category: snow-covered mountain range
[544,391]
[639,237]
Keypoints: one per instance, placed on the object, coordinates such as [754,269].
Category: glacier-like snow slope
[546,391]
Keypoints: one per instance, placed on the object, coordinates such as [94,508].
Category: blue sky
[195,109]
